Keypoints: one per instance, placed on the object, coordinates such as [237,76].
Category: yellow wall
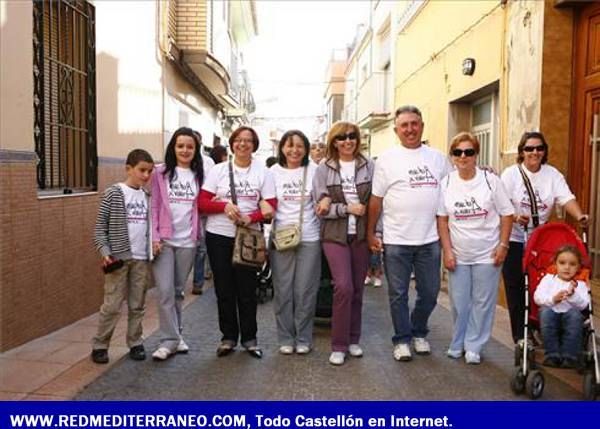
[16,78]
[429,55]
[382,138]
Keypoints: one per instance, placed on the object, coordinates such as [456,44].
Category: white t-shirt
[549,186]
[347,173]
[252,184]
[551,284]
[207,164]
[182,192]
[474,208]
[136,208]
[409,182]
[288,184]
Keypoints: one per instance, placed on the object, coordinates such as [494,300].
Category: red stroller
[537,262]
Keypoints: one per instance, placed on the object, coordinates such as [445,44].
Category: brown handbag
[250,247]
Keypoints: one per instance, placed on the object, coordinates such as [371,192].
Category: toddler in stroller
[562,298]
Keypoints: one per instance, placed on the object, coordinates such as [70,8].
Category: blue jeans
[473,292]
[199,262]
[399,263]
[562,333]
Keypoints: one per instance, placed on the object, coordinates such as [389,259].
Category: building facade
[83,83]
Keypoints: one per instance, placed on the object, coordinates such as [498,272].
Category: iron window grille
[64,73]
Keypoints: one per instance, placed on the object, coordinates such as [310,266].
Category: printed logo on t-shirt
[292,190]
[137,212]
[469,209]
[348,186]
[526,204]
[244,190]
[181,192]
[421,177]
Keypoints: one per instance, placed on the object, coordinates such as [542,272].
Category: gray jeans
[171,270]
[296,277]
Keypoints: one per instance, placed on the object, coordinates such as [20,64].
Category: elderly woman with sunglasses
[550,188]
[474,221]
[341,188]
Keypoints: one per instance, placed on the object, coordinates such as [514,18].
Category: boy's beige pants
[127,283]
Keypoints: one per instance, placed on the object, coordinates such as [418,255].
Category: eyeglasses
[249,141]
[538,148]
[458,152]
[344,137]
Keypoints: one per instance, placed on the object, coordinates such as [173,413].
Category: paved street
[376,376]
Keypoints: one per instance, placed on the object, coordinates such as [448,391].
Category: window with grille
[64,72]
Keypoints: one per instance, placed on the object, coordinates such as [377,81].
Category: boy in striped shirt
[122,237]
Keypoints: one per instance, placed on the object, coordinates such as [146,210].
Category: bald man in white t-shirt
[406,187]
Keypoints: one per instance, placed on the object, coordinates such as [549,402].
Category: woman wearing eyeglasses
[341,188]
[235,286]
[549,187]
[474,222]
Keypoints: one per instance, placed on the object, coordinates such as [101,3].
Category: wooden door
[584,159]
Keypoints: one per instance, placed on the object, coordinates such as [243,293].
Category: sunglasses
[458,152]
[344,137]
[538,148]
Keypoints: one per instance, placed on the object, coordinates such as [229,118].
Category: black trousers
[236,292]
[514,286]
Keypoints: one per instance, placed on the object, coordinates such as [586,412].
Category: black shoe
[255,352]
[552,362]
[137,353]
[224,350]
[100,355]
[569,363]
[197,290]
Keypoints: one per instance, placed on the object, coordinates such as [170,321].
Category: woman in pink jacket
[175,233]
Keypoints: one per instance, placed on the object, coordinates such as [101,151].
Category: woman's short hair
[338,128]
[532,135]
[238,131]
[281,159]
[464,137]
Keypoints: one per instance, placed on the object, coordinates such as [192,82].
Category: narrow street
[200,375]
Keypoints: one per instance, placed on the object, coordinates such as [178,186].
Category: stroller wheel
[534,385]
[518,355]
[589,387]
[517,382]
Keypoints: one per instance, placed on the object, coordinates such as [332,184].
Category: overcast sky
[287,61]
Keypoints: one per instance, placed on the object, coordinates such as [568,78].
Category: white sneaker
[377,282]
[182,347]
[286,350]
[302,349]
[454,354]
[472,358]
[367,280]
[337,358]
[422,346]
[402,352]
[355,350]
[162,353]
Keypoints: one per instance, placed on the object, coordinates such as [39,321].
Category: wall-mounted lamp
[468,66]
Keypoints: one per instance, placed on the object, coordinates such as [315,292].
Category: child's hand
[156,247]
[323,207]
[107,260]
[560,296]
[572,287]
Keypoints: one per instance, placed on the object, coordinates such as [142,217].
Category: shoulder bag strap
[532,199]
[231,184]
[302,198]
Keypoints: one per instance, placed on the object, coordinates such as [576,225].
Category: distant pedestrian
[176,231]
[296,270]
[201,265]
[122,238]
[406,188]
[235,286]
[218,154]
[341,188]
[317,152]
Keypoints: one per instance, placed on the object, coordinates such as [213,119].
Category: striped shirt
[111,236]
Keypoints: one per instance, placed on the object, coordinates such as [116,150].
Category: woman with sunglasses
[549,187]
[474,222]
[341,188]
[235,286]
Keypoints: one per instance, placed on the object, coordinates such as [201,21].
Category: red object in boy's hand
[111,264]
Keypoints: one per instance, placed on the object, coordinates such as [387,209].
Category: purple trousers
[348,264]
